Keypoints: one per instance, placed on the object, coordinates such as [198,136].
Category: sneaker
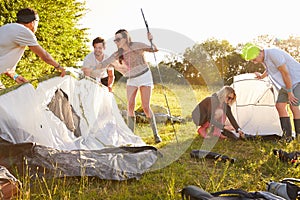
[202,132]
[217,133]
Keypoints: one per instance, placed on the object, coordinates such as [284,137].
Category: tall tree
[58,32]
[210,59]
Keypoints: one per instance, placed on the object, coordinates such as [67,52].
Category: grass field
[255,163]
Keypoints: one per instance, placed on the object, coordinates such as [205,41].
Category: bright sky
[237,21]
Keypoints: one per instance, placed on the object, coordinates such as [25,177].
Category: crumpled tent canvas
[254,108]
[72,127]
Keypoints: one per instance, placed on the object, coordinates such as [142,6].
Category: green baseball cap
[250,51]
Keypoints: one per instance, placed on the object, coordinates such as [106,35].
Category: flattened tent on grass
[255,108]
[70,127]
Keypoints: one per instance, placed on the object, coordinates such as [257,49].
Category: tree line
[60,34]
[215,60]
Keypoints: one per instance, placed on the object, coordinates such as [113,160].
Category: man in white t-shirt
[105,75]
[14,38]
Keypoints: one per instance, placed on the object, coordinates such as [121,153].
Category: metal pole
[157,66]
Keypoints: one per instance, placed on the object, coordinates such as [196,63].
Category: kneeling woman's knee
[219,113]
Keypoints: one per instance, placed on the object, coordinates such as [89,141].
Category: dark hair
[26,15]
[125,35]
[99,40]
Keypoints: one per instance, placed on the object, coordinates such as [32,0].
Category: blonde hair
[224,92]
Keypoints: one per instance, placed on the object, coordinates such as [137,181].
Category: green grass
[255,163]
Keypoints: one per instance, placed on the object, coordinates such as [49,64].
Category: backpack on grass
[288,157]
[286,188]
[192,192]
[200,154]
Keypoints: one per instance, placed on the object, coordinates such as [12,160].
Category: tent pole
[157,66]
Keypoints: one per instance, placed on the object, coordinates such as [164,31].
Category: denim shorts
[283,95]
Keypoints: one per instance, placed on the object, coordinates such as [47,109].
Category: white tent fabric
[255,109]
[33,132]
[25,116]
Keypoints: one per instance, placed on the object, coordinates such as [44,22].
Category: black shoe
[289,139]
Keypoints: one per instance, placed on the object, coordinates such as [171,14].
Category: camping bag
[285,188]
[211,155]
[9,185]
[192,192]
[292,157]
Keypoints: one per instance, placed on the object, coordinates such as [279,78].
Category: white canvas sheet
[25,116]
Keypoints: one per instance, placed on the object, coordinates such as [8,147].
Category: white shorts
[142,80]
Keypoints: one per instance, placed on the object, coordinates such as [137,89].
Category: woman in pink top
[133,66]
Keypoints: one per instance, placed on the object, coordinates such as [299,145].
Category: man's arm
[45,56]
[288,83]
[285,76]
[13,75]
